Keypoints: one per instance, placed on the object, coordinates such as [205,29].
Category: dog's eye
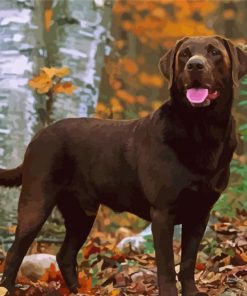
[184,54]
[214,51]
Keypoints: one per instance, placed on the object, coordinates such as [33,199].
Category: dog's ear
[238,60]
[167,61]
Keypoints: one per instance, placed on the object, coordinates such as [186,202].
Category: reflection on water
[76,39]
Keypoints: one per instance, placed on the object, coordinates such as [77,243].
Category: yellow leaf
[66,88]
[60,72]
[115,292]
[3,291]
[47,19]
[116,106]
[41,83]
[50,72]
[109,287]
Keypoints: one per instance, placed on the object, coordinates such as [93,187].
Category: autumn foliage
[49,80]
[142,32]
[104,270]
[49,83]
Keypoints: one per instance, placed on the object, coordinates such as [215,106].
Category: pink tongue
[197,95]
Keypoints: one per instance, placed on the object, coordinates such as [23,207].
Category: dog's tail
[11,177]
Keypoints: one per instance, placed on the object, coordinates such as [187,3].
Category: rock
[34,266]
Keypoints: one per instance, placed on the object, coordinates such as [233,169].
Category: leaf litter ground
[221,267]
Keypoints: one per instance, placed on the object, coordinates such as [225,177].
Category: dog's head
[202,67]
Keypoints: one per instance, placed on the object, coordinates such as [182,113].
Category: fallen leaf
[3,291]
[85,282]
[90,249]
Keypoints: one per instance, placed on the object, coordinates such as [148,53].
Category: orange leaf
[12,229]
[45,277]
[101,108]
[124,95]
[60,72]
[159,13]
[144,78]
[52,272]
[89,250]
[85,282]
[229,14]
[116,84]
[157,81]
[120,43]
[200,266]
[48,71]
[47,19]
[66,88]
[141,99]
[41,83]
[129,65]
[243,256]
[119,257]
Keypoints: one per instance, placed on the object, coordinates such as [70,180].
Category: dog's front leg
[192,233]
[162,228]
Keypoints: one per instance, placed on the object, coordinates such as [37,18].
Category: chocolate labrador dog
[169,167]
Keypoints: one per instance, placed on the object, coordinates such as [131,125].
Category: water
[76,39]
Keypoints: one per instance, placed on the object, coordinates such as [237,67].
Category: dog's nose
[195,64]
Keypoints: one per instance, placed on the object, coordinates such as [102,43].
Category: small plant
[48,83]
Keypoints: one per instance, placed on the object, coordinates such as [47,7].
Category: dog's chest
[201,149]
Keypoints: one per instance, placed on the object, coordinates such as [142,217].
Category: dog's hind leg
[34,208]
[78,226]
